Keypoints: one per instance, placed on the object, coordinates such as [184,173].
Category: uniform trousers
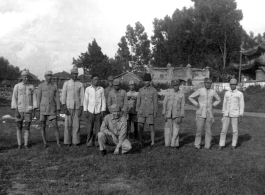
[226,120]
[104,138]
[171,132]
[72,127]
[200,123]
[93,127]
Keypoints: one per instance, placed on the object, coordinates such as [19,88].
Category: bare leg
[43,133]
[152,134]
[56,131]
[26,134]
[19,132]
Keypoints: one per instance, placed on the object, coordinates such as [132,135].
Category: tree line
[8,71]
[207,34]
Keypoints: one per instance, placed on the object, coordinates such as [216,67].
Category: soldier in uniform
[132,114]
[72,104]
[173,111]
[113,132]
[233,109]
[23,102]
[118,96]
[48,103]
[204,114]
[107,90]
[94,107]
[146,107]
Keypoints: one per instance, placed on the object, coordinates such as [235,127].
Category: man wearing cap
[118,96]
[107,90]
[146,107]
[233,109]
[173,111]
[72,104]
[94,107]
[48,103]
[204,114]
[132,114]
[113,132]
[23,102]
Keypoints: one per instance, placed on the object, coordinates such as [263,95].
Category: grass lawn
[157,170]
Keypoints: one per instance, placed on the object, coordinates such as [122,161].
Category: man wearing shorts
[23,102]
[146,107]
[48,103]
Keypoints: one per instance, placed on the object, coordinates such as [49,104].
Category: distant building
[187,75]
[253,64]
[128,76]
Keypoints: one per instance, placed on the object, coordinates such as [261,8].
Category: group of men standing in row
[111,111]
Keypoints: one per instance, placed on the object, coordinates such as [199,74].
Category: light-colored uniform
[118,97]
[24,99]
[173,109]
[204,114]
[48,101]
[73,97]
[233,107]
[118,127]
[146,105]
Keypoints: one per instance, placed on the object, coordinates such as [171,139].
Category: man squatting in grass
[204,114]
[118,96]
[107,90]
[146,107]
[23,102]
[48,103]
[233,109]
[132,114]
[173,111]
[113,132]
[72,105]
[94,107]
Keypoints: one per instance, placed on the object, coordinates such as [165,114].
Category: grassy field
[157,170]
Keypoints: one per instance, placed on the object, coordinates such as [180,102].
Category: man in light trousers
[72,104]
[233,109]
[204,114]
[113,132]
[173,111]
[23,102]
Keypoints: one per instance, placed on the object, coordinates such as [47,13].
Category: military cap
[49,72]
[74,70]
[233,82]
[115,107]
[147,77]
[110,78]
[131,82]
[208,80]
[25,73]
[175,82]
[116,82]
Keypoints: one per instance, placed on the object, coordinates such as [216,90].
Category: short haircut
[94,75]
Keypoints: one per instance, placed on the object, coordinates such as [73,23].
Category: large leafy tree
[140,45]
[8,71]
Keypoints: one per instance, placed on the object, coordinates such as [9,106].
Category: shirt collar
[147,87]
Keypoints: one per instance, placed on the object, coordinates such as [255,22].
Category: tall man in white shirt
[72,102]
[204,114]
[94,107]
[233,109]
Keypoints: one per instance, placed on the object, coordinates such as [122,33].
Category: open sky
[45,35]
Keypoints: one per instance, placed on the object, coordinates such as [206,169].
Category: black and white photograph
[117,97]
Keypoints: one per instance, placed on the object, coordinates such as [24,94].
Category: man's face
[116,114]
[117,87]
[48,78]
[110,83]
[131,87]
[74,76]
[233,86]
[147,83]
[176,87]
[25,79]
[95,81]
[207,85]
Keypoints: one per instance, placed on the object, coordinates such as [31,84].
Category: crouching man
[113,132]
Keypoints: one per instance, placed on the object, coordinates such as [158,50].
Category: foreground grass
[157,170]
